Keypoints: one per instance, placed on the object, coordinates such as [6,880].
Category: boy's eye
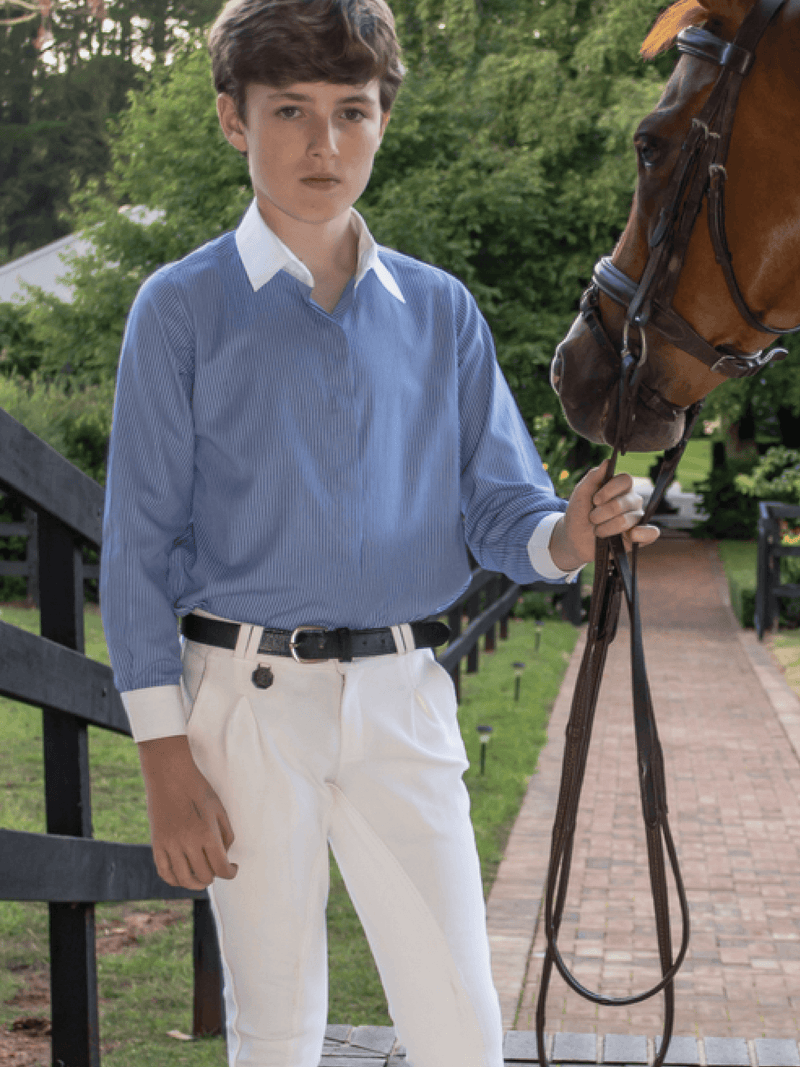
[288,112]
[352,114]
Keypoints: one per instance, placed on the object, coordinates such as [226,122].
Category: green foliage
[743,603]
[186,171]
[776,477]
[507,162]
[554,444]
[731,513]
[768,402]
[54,104]
[75,421]
[533,605]
[19,352]
[739,562]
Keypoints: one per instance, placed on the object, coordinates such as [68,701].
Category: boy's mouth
[320,180]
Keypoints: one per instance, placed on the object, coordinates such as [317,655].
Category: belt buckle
[293,642]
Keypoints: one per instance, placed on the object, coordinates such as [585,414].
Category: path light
[538,638]
[484,732]
[518,669]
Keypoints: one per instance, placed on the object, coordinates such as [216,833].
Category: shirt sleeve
[147,521]
[505,491]
[539,551]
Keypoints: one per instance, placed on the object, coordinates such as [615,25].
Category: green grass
[739,560]
[788,639]
[693,467]
[145,991]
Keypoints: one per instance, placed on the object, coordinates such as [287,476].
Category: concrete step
[377,1046]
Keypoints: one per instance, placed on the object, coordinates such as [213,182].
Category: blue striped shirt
[278,465]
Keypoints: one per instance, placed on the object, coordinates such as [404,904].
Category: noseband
[699,173]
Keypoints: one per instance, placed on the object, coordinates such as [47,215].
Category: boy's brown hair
[278,42]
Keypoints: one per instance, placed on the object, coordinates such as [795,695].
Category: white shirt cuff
[155,712]
[539,550]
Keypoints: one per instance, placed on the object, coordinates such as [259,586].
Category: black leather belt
[312,644]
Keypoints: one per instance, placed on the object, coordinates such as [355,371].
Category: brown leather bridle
[699,173]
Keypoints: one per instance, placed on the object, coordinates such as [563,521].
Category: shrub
[20,354]
[776,477]
[74,421]
[535,606]
[732,514]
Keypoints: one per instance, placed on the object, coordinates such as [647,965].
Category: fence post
[32,555]
[73,966]
[209,1009]
[571,609]
[473,611]
[454,623]
[773,569]
[505,585]
[492,594]
[762,573]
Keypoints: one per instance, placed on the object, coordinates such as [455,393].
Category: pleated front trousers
[365,757]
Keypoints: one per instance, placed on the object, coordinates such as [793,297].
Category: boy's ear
[231,123]
[386,115]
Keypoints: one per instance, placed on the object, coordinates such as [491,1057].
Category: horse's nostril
[557,370]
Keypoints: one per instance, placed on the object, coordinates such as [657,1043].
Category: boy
[308,432]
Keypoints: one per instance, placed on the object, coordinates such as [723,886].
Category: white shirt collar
[263,254]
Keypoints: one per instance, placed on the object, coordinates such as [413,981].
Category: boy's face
[310,147]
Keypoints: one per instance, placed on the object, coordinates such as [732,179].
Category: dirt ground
[26,1041]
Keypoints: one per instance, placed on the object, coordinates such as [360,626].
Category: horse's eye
[648,150]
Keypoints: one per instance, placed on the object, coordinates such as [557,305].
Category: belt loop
[248,641]
[403,638]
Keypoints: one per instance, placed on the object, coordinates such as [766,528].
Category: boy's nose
[323,139]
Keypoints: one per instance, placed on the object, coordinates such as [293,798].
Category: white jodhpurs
[367,757]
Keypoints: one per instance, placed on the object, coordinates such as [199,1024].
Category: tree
[507,162]
[59,84]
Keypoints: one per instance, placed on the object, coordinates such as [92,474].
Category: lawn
[739,560]
[693,467]
[145,988]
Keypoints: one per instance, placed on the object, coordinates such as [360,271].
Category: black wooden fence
[65,866]
[769,589]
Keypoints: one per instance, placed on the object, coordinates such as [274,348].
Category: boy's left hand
[593,512]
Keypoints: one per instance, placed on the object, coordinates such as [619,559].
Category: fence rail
[768,566]
[66,867]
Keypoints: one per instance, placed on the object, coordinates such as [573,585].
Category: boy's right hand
[189,827]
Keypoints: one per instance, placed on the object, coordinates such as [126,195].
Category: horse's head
[667,276]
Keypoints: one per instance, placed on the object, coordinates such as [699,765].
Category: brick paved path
[730,728]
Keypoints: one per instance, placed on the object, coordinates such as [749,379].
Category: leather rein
[699,172]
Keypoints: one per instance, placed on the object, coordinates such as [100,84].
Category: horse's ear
[729,13]
[670,23]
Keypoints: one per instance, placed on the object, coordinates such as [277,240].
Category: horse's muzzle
[587,380]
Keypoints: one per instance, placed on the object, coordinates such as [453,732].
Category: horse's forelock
[669,24]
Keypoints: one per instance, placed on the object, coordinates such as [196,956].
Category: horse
[690,298]
[666,319]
